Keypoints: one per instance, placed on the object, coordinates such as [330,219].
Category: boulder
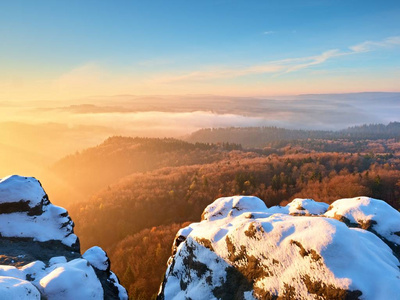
[40,254]
[307,250]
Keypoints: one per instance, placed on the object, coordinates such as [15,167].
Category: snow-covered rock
[73,280]
[370,214]
[26,212]
[307,250]
[304,207]
[98,258]
[12,288]
[40,254]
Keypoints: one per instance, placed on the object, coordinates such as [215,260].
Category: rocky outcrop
[40,254]
[306,250]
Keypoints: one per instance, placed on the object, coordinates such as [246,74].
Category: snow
[302,238]
[307,206]
[61,280]
[42,228]
[361,210]
[232,206]
[97,258]
[196,284]
[57,260]
[13,289]
[301,206]
[367,258]
[9,271]
[23,188]
[185,231]
[53,222]
[56,278]
[35,270]
[73,280]
[122,293]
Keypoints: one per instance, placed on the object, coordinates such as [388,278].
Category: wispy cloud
[268,32]
[221,73]
[373,45]
[283,66]
[276,68]
[94,79]
[315,60]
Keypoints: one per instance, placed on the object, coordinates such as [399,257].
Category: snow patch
[232,207]
[97,258]
[122,293]
[27,213]
[368,213]
[73,280]
[15,188]
[14,289]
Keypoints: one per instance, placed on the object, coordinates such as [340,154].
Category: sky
[53,50]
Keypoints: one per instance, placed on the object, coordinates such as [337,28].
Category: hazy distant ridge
[263,136]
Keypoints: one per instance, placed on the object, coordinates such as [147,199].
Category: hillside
[77,176]
[31,148]
[270,136]
[179,194]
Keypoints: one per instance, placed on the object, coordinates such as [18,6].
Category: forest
[143,190]
[269,136]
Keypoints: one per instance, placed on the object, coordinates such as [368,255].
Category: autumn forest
[131,195]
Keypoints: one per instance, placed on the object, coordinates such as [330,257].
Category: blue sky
[61,49]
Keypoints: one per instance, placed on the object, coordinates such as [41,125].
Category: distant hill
[267,136]
[372,131]
[83,173]
[30,148]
